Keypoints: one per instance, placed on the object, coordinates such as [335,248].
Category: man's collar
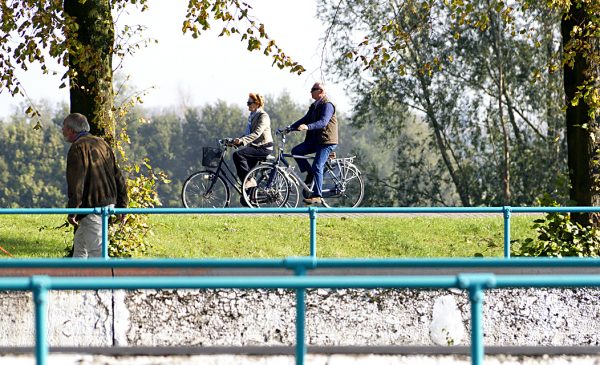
[80,134]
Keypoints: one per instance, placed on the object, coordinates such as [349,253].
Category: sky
[180,70]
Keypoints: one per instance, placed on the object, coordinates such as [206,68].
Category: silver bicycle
[343,185]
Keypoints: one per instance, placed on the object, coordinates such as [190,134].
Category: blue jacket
[321,122]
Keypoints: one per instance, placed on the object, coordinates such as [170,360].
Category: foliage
[389,40]
[34,31]
[474,143]
[583,44]
[559,236]
[130,237]
[396,174]
[31,170]
[236,15]
[393,39]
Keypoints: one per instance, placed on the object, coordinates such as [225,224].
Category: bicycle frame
[290,171]
[281,159]
[227,173]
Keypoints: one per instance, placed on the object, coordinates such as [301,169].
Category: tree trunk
[457,179]
[90,33]
[497,47]
[580,144]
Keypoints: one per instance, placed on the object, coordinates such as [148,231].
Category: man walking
[93,180]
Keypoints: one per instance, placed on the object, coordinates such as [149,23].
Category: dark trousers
[321,152]
[248,157]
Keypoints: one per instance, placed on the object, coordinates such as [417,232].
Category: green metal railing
[312,212]
[475,284]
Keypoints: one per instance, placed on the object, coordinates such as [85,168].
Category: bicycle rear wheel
[342,186]
[205,189]
[273,188]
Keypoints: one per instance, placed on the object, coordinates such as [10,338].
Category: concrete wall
[557,317]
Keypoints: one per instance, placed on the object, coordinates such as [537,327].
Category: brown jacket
[93,177]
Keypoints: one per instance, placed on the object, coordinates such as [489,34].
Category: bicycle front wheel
[342,186]
[272,188]
[205,189]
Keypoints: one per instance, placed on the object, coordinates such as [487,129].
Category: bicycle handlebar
[283,131]
[227,142]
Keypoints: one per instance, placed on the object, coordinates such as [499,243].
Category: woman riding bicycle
[320,124]
[257,139]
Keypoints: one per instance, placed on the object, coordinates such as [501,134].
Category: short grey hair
[77,122]
[320,85]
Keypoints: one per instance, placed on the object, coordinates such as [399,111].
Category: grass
[248,236]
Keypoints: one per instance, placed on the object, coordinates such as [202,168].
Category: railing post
[105,214]
[475,284]
[300,319]
[39,285]
[312,211]
[507,212]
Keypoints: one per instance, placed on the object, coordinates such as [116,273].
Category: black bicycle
[211,188]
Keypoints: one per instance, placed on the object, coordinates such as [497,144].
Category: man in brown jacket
[93,180]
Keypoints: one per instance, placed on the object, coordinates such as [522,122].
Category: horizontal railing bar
[366,210]
[307,210]
[50,211]
[232,282]
[141,263]
[545,281]
[18,283]
[304,261]
[299,282]
[554,209]
[289,350]
[469,262]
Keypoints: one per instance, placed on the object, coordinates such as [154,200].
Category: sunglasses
[250,103]
[315,89]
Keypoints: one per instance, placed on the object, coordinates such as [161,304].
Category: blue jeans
[321,152]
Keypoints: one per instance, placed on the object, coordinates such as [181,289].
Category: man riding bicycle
[320,124]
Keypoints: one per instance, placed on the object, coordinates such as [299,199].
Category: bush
[129,239]
[558,236]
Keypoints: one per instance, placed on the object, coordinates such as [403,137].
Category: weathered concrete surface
[310,360]
[363,317]
[80,318]
[517,317]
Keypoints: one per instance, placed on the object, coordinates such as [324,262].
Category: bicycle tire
[343,186]
[272,188]
[205,189]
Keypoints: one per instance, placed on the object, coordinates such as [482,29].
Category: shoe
[251,183]
[243,202]
[312,200]
[246,205]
